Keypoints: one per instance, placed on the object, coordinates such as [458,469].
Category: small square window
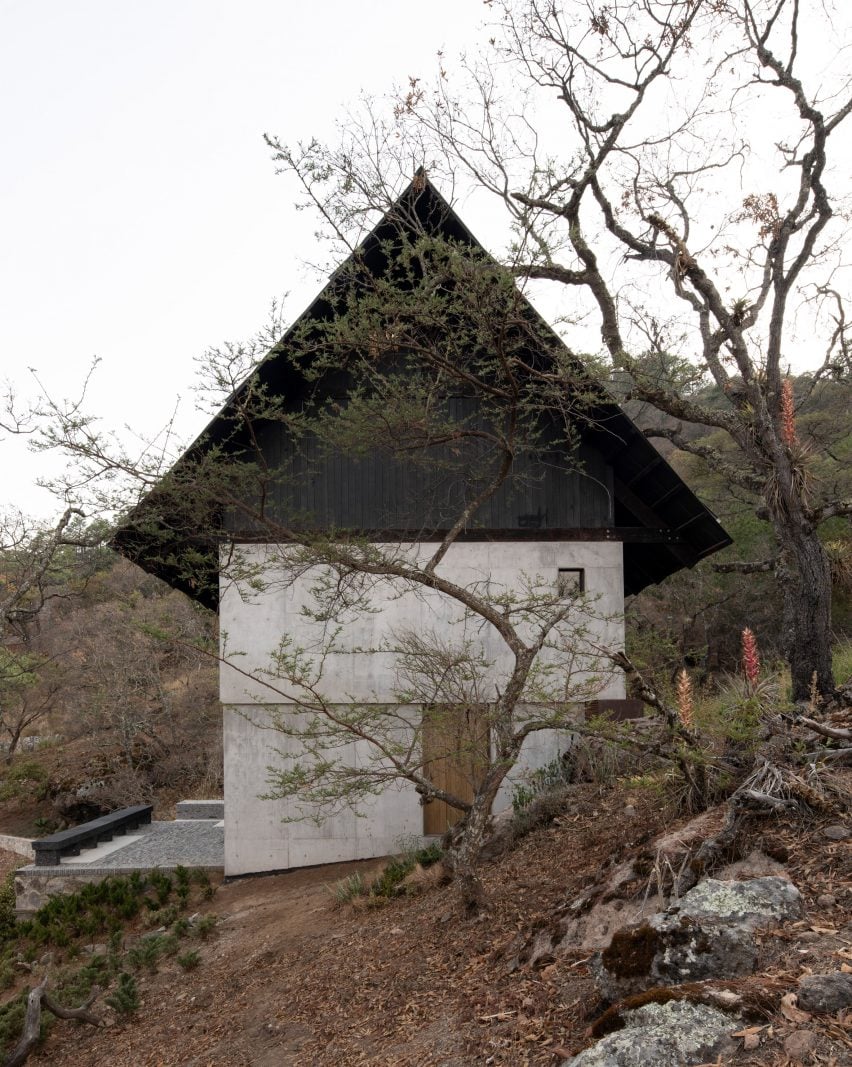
[571,581]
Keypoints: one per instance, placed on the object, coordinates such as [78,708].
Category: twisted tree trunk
[805,576]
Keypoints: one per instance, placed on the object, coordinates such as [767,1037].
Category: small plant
[347,889]
[548,779]
[8,922]
[181,927]
[189,960]
[162,886]
[125,998]
[205,926]
[751,658]
[685,707]
[26,778]
[146,953]
[788,414]
[169,945]
[168,915]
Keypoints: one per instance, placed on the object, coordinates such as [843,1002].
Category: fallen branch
[835,732]
[765,800]
[32,1022]
[828,754]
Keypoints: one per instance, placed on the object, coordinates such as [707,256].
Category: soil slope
[292,979]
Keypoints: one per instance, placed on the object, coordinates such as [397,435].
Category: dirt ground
[291,979]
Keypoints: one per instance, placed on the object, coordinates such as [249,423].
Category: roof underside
[648,494]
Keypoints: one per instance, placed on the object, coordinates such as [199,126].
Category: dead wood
[37,999]
[825,731]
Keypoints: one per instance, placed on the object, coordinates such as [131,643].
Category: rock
[593,931]
[755,903]
[676,1034]
[835,832]
[800,1044]
[707,934]
[668,950]
[95,950]
[825,992]
[826,900]
[629,811]
[755,865]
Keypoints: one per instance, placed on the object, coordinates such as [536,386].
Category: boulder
[676,1034]
[669,950]
[707,934]
[754,903]
[826,993]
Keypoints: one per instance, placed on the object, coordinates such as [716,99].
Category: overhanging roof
[649,494]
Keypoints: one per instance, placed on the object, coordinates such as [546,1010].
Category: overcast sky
[140,214]
[141,218]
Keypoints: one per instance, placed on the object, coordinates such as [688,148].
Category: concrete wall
[364,669]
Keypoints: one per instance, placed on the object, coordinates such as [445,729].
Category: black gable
[621,489]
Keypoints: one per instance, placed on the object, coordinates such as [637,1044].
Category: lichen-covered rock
[707,934]
[668,950]
[676,1034]
[754,903]
[825,992]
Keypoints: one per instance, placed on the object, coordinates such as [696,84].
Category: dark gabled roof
[649,494]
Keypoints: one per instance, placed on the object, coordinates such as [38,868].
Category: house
[601,514]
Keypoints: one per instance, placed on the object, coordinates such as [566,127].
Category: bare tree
[669,163]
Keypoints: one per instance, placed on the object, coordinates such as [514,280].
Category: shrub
[548,779]
[125,998]
[146,953]
[189,960]
[8,922]
[347,889]
[205,926]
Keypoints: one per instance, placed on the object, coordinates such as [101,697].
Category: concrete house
[609,519]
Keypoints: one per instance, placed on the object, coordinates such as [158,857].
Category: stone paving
[190,842]
[184,842]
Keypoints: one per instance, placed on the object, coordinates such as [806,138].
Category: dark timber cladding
[615,486]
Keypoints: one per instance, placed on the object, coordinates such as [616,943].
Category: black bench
[50,850]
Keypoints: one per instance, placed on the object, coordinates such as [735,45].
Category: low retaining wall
[200,809]
[22,845]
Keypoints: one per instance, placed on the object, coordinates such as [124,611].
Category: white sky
[141,218]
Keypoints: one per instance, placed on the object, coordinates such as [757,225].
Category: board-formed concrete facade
[258,835]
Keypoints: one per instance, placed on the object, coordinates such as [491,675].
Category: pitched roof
[649,495]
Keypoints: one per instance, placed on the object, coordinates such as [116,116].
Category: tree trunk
[463,857]
[805,577]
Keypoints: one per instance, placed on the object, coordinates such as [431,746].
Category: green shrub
[146,953]
[125,998]
[205,926]
[162,886]
[8,922]
[555,776]
[180,927]
[189,960]
[347,889]
[12,1021]
[21,779]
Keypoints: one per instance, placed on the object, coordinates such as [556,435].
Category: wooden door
[455,756]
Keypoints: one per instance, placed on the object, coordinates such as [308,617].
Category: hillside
[293,979]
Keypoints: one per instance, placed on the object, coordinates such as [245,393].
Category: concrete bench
[50,850]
